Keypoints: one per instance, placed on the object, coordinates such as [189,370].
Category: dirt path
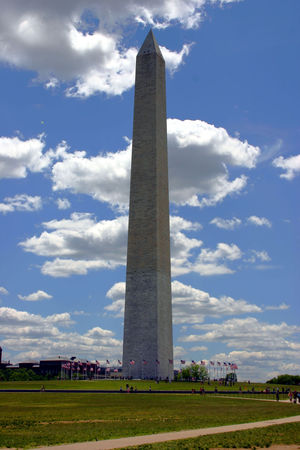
[163,437]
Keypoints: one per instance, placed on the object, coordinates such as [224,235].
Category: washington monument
[148,341]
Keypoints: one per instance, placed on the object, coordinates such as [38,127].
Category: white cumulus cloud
[199,348]
[17,156]
[182,246]
[214,262]
[105,177]
[81,42]
[260,349]
[290,165]
[21,331]
[199,159]
[259,221]
[21,202]
[3,291]
[258,255]
[10,318]
[223,251]
[35,296]
[261,365]
[248,334]
[63,203]
[174,60]
[80,244]
[226,224]
[261,255]
[190,305]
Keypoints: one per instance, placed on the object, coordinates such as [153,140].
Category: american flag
[182,361]
[170,361]
[132,362]
[119,362]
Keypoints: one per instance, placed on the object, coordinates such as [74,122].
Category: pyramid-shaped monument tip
[150,45]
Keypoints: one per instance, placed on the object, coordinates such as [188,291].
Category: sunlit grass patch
[286,434]
[34,419]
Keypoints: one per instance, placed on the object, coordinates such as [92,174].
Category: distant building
[29,365]
[53,366]
[66,368]
[3,364]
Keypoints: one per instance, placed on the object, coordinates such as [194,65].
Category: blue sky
[67,71]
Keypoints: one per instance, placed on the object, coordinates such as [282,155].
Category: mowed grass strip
[286,434]
[140,384]
[34,419]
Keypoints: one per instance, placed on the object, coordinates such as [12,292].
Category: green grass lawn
[141,385]
[286,434]
[34,419]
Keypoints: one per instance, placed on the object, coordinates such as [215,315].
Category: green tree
[21,374]
[194,371]
[285,379]
[203,373]
[186,373]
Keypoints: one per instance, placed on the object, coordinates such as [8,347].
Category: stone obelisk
[148,342]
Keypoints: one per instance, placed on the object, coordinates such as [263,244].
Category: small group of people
[131,388]
[294,396]
[202,391]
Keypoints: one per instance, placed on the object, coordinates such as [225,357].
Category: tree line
[21,375]
[286,379]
